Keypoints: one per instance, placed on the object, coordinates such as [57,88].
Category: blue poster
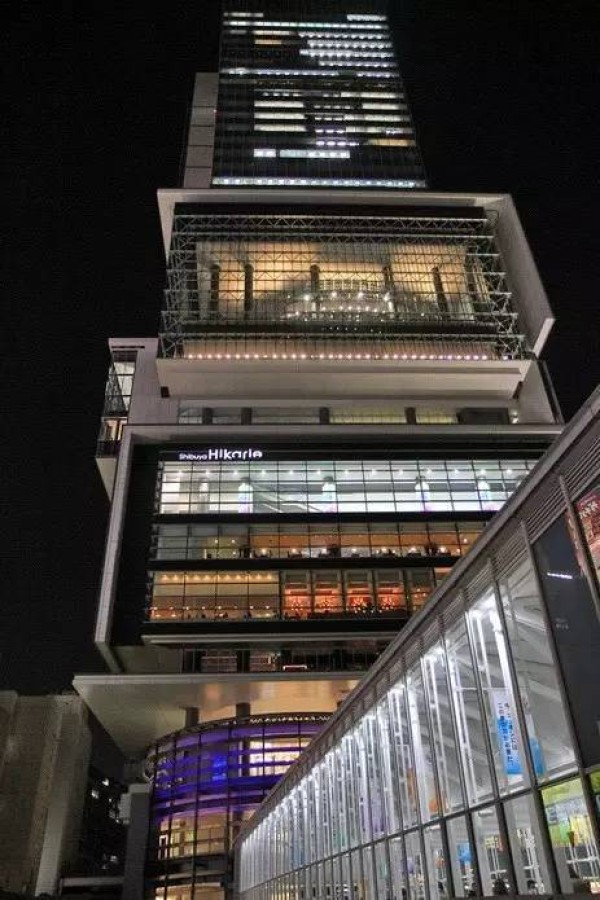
[507,738]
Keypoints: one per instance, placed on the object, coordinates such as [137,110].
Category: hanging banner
[507,738]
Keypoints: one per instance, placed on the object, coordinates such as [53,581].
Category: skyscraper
[308,95]
[345,387]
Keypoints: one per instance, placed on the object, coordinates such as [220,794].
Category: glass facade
[303,540]
[355,414]
[311,96]
[297,594]
[467,766]
[344,486]
[117,398]
[337,287]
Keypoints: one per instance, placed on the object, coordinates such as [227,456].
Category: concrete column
[248,288]
[138,802]
[215,276]
[440,295]
[390,287]
[192,714]
[241,710]
[315,285]
[66,794]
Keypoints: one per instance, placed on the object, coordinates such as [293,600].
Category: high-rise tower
[309,95]
[346,386]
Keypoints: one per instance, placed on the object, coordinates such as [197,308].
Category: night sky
[504,99]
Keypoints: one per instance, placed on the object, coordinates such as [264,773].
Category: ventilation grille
[585,462]
[543,507]
[480,581]
[511,552]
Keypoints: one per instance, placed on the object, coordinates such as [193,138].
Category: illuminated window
[390,106]
[283,127]
[357,415]
[279,104]
[379,486]
[391,142]
[318,182]
[315,154]
[429,416]
[269,115]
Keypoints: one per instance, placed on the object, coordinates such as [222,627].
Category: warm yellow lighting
[391,142]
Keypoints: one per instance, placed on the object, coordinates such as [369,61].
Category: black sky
[504,95]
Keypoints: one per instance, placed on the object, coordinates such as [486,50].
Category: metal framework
[260,286]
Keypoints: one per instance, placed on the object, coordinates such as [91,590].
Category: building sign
[507,738]
[215,454]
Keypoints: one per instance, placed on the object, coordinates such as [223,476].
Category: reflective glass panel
[403,755]
[382,874]
[499,703]
[389,781]
[529,860]
[467,714]
[434,668]
[573,842]
[421,741]
[576,628]
[491,853]
[397,868]
[436,862]
[461,857]
[414,866]
[547,729]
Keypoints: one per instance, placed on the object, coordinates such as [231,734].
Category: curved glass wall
[206,780]
[457,773]
[321,487]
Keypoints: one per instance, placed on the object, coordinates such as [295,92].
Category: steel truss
[236,282]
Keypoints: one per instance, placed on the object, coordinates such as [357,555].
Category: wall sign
[219,453]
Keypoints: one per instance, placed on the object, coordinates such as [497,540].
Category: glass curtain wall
[321,487]
[463,779]
[300,594]
[302,540]
[311,96]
